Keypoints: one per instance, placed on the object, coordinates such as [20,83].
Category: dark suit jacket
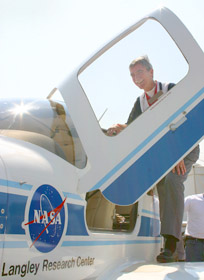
[136,110]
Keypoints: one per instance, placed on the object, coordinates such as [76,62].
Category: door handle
[174,126]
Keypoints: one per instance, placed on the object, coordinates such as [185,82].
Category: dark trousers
[171,197]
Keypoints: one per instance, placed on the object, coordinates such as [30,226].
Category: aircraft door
[125,166]
[3,206]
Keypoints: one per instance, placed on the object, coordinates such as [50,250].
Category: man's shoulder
[166,86]
[170,85]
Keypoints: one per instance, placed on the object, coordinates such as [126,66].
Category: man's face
[142,77]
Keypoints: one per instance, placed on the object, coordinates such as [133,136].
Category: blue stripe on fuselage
[80,243]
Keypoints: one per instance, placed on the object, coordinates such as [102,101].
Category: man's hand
[115,129]
[180,168]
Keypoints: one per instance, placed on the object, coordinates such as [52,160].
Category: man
[194,207]
[171,187]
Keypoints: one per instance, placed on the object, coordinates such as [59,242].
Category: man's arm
[115,129]
[136,111]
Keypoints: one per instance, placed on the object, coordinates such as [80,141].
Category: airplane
[78,204]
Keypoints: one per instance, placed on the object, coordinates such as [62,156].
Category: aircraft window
[102,215]
[44,123]
[107,81]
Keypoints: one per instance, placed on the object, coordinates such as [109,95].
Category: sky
[42,41]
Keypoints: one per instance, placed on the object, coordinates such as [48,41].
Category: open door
[100,93]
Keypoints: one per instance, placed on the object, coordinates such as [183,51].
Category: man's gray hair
[144,60]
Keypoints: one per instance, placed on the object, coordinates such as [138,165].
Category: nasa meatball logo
[46,218]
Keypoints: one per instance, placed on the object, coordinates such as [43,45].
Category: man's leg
[180,251]
[171,198]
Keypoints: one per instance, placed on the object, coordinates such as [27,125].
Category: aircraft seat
[35,138]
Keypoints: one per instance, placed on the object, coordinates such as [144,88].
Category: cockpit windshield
[45,123]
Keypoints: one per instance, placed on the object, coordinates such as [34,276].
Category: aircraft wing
[172,271]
